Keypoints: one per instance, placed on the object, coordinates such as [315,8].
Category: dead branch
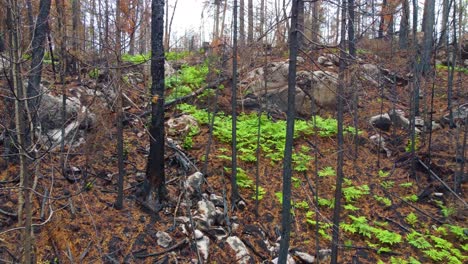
[169,249]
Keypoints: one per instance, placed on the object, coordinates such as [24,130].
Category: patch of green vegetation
[174,55]
[456,69]
[406,184]
[446,211]
[411,198]
[137,58]
[387,184]
[409,144]
[94,73]
[326,171]
[411,219]
[383,200]
[272,136]
[303,205]
[353,193]
[383,173]
[351,207]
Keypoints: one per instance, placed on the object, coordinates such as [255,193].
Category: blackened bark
[404,25]
[155,174]
[35,74]
[428,39]
[340,150]
[250,22]
[234,189]
[287,161]
[242,23]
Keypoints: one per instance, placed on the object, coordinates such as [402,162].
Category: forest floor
[389,215]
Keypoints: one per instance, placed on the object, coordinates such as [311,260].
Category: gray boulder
[164,239]
[318,86]
[242,253]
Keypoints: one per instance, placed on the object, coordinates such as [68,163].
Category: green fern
[417,240]
[411,218]
[353,193]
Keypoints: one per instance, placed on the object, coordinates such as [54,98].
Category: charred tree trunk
[155,174]
[234,189]
[242,22]
[250,25]
[340,150]
[291,112]
[404,25]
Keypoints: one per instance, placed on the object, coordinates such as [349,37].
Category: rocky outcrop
[78,118]
[316,88]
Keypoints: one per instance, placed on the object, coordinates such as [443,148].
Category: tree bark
[428,38]
[404,25]
[250,22]
[242,23]
[119,106]
[234,189]
[155,174]
[340,149]
[35,74]
[291,112]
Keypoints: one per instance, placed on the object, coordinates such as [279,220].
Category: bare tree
[155,175]
[287,161]
[340,150]
[235,196]
[250,24]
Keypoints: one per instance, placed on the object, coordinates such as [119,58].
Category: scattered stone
[398,118]
[436,126]
[305,257]
[379,141]
[217,200]
[372,73]
[203,245]
[382,122]
[318,85]
[181,125]
[219,232]
[242,253]
[193,184]
[207,214]
[198,234]
[164,239]
[290,260]
[321,60]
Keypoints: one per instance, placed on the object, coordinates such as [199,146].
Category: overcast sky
[187,15]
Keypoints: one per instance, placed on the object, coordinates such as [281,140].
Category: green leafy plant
[411,219]
[326,171]
[412,198]
[417,240]
[137,58]
[353,193]
[174,56]
[303,205]
[387,184]
[383,200]
[409,144]
[351,207]
[94,73]
[383,173]
[406,184]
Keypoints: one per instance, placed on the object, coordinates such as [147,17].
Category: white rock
[379,141]
[242,253]
[198,234]
[193,183]
[305,257]
[290,260]
[203,246]
[164,239]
